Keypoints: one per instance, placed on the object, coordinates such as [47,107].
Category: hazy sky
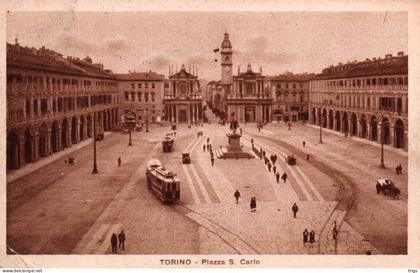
[279,41]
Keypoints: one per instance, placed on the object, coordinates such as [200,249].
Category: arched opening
[345,123]
[373,128]
[353,124]
[385,131]
[65,133]
[331,120]
[28,153]
[363,127]
[338,121]
[324,118]
[313,116]
[12,150]
[89,125]
[109,120]
[399,134]
[82,128]
[54,137]
[74,130]
[43,140]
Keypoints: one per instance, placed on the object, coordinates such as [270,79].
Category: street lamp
[130,122]
[95,166]
[147,120]
[320,128]
[383,124]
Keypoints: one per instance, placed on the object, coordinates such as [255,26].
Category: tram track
[346,194]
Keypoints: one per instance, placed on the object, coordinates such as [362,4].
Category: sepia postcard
[197,134]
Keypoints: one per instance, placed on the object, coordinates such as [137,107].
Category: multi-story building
[290,96]
[182,99]
[367,99]
[53,102]
[250,99]
[141,96]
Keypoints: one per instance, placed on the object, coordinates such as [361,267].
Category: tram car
[387,187]
[167,143]
[162,183]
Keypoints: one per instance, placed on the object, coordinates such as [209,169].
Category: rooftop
[390,65]
[140,76]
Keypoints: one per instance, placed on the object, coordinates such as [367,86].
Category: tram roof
[154,162]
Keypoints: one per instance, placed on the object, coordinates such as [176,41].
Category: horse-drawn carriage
[387,187]
[291,160]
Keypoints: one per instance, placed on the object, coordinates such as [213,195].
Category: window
[294,86]
[278,85]
[133,96]
[153,86]
[139,85]
[146,97]
[373,81]
[139,96]
[126,96]
[385,81]
[287,85]
[153,96]
[28,107]
[146,85]
[368,82]
[133,86]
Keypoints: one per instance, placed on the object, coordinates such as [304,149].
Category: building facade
[367,99]
[141,96]
[250,99]
[53,102]
[290,94]
[182,98]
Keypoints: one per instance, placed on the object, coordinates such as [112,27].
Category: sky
[277,41]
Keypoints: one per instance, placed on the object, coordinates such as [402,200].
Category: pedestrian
[174,133]
[397,169]
[237,195]
[114,242]
[240,130]
[121,239]
[253,204]
[275,158]
[284,177]
[204,148]
[277,177]
[252,141]
[305,236]
[312,237]
[378,188]
[207,146]
[335,231]
[274,169]
[119,161]
[295,209]
[208,140]
[212,161]
[303,143]
[65,161]
[269,167]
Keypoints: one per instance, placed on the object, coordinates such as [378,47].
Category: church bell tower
[226,60]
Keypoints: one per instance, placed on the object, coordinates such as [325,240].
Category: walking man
[274,169]
[397,170]
[269,166]
[305,236]
[303,143]
[114,242]
[119,161]
[204,148]
[284,177]
[312,237]
[277,177]
[253,204]
[121,239]
[212,161]
[295,209]
[237,195]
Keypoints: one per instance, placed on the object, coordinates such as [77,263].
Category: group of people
[398,169]
[308,236]
[252,204]
[69,160]
[271,165]
[118,241]
[210,149]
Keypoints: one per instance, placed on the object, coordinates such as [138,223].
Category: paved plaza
[55,208]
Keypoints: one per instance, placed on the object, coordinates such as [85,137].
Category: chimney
[400,54]
[388,56]
[374,58]
[367,60]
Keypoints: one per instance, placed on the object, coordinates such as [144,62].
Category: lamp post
[130,123]
[320,128]
[383,124]
[95,166]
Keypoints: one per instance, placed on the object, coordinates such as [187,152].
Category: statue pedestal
[234,149]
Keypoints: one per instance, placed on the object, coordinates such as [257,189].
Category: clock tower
[226,60]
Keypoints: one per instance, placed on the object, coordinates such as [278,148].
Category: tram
[161,182]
